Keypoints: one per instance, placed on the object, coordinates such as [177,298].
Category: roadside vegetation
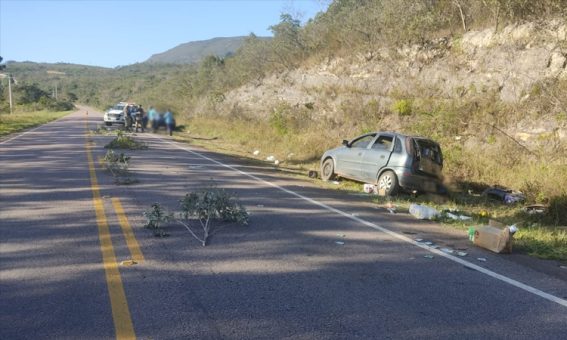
[20,121]
[203,213]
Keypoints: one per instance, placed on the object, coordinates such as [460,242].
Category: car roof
[401,135]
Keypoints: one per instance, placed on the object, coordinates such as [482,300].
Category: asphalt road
[312,263]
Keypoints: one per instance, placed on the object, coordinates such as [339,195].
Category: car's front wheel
[328,170]
[389,183]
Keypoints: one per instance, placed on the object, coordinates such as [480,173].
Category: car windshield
[118,107]
[362,142]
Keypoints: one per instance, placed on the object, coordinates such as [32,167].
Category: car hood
[332,151]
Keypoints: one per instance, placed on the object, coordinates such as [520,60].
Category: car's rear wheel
[328,169]
[388,182]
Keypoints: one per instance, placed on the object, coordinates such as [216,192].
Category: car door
[350,158]
[376,157]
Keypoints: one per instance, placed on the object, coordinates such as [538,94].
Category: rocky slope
[505,65]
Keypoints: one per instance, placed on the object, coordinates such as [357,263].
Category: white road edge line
[467,264]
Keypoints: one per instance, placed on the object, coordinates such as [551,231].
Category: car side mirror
[345,143]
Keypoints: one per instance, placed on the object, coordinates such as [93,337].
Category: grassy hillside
[196,51]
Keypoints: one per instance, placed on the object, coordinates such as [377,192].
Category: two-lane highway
[312,264]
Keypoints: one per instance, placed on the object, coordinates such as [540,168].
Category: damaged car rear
[392,161]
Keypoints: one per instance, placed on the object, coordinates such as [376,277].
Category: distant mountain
[195,51]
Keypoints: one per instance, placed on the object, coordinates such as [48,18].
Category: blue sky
[117,33]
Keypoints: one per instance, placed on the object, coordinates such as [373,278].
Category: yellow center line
[123,326]
[131,241]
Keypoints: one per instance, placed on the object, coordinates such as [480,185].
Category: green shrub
[278,120]
[403,107]
[211,207]
[123,141]
[156,216]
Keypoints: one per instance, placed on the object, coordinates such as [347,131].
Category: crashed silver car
[390,160]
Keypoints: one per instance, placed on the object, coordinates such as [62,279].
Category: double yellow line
[123,326]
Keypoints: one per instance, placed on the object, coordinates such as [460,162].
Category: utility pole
[10,91]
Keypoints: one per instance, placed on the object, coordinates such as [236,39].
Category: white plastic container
[422,212]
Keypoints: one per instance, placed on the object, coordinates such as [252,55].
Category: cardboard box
[495,237]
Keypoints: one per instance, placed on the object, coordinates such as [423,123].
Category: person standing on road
[139,117]
[153,117]
[169,121]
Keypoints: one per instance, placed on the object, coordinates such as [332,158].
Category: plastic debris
[290,155]
[513,229]
[391,210]
[128,263]
[536,209]
[418,239]
[428,243]
[447,250]
[270,158]
[256,152]
[276,162]
[462,253]
[368,188]
[481,259]
[428,256]
[422,212]
[471,234]
[260,205]
[340,243]
[341,235]
[336,182]
[458,217]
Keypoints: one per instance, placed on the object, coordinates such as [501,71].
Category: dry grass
[541,176]
[20,121]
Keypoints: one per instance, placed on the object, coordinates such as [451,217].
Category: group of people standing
[136,117]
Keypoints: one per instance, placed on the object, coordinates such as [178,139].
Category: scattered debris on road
[536,209]
[128,263]
[505,195]
[495,236]
[423,212]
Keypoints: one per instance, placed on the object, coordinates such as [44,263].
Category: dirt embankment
[508,66]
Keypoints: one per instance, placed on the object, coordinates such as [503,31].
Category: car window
[430,150]
[397,145]
[383,143]
[362,142]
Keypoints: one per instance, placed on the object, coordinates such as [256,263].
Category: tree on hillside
[287,45]
[28,94]
[251,60]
